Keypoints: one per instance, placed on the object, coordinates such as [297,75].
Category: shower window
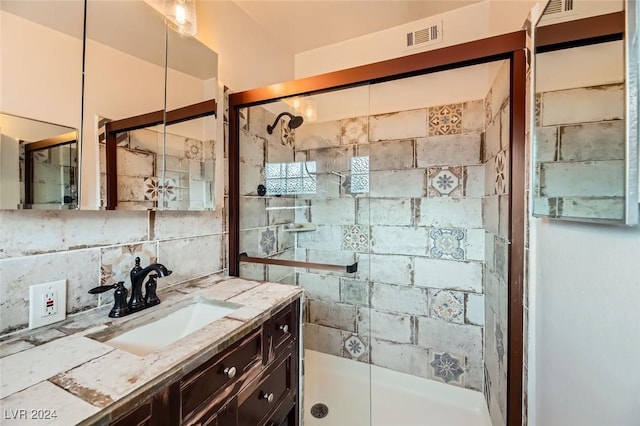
[291,178]
[359,175]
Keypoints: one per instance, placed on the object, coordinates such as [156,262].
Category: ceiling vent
[426,36]
[557,9]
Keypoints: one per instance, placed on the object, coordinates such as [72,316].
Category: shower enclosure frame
[512,47]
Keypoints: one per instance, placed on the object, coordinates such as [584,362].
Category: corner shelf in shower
[300,227]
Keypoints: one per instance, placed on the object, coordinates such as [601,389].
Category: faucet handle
[103,288]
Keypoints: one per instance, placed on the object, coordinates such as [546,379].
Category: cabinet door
[259,401]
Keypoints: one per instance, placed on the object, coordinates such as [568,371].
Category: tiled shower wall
[496,273]
[418,235]
[90,248]
[263,219]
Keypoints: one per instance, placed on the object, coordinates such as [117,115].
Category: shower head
[295,121]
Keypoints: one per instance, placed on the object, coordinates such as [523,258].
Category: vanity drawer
[202,384]
[282,327]
[257,403]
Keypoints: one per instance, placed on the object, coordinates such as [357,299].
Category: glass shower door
[304,220]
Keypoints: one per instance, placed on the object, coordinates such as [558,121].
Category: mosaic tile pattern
[447,181]
[354,346]
[538,108]
[153,189]
[447,305]
[501,173]
[445,120]
[354,131]
[194,149]
[448,368]
[355,238]
[447,243]
[116,262]
[267,241]
[287,135]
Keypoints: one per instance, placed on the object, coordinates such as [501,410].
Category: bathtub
[397,399]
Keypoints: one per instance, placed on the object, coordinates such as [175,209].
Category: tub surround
[85,381]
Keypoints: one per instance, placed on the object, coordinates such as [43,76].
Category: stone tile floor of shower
[359,394]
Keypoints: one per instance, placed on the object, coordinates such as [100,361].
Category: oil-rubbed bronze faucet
[136,302]
[137,275]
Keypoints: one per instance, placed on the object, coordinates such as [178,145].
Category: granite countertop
[59,370]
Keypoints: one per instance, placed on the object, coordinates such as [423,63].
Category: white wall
[588,325]
[248,56]
[473,22]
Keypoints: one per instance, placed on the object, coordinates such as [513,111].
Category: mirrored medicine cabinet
[139,98]
[585,157]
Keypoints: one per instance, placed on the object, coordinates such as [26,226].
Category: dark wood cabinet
[254,382]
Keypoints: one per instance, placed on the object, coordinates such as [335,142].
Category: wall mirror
[39,166]
[149,111]
[41,103]
[586,147]
[135,68]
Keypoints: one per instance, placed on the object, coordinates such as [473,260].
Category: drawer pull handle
[230,372]
[268,397]
[284,328]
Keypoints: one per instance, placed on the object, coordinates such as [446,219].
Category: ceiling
[301,25]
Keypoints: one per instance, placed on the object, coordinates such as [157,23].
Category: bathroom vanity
[241,369]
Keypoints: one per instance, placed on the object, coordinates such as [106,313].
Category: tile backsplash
[92,248]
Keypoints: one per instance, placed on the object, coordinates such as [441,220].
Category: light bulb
[181,14]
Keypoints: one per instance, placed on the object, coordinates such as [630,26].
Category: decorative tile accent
[268,241]
[447,181]
[116,262]
[445,120]
[355,238]
[287,135]
[499,343]
[153,190]
[354,346]
[488,110]
[501,173]
[355,131]
[194,149]
[447,305]
[447,243]
[448,368]
[538,108]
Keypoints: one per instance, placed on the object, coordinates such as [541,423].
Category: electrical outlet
[47,303]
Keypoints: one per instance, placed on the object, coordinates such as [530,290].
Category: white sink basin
[156,335]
